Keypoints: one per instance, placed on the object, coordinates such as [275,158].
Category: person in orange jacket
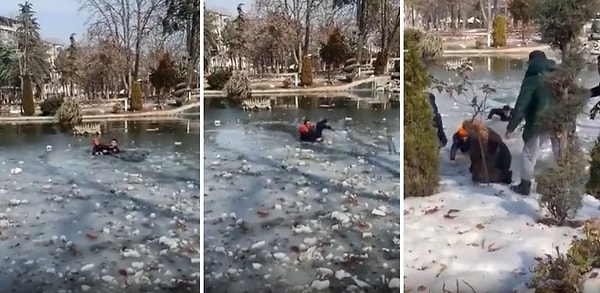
[305,130]
[460,141]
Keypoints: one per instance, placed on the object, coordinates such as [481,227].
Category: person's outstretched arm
[595,92]
[522,105]
[491,114]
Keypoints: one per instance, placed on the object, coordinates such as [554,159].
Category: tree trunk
[306,45]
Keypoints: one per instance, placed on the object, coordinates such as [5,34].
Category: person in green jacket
[534,96]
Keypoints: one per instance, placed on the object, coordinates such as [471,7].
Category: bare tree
[128,22]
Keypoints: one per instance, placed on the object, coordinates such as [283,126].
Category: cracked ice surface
[281,216]
[70,222]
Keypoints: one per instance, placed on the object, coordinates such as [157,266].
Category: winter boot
[524,188]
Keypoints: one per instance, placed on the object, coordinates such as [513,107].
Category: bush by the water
[28,102]
[592,187]
[238,86]
[499,31]
[306,74]
[117,108]
[69,113]
[218,79]
[137,103]
[50,106]
[287,83]
[430,46]
[421,145]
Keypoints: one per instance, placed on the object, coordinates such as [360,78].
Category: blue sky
[227,6]
[57,18]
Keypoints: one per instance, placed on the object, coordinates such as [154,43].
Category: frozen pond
[70,222]
[283,216]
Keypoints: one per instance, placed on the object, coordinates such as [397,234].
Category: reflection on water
[357,100]
[344,109]
[137,133]
[507,70]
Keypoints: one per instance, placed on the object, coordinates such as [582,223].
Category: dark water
[147,134]
[341,112]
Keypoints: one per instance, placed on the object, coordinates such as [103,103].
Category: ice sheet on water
[269,204]
[76,213]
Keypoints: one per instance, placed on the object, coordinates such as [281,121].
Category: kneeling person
[460,142]
[490,157]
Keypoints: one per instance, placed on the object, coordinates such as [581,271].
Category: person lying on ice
[310,132]
[503,113]
[460,142]
[490,157]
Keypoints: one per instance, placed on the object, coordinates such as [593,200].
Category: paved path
[301,91]
[497,52]
[103,117]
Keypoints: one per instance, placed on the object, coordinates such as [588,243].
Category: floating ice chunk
[342,217]
[130,253]
[217,123]
[258,245]
[48,148]
[341,274]
[299,229]
[378,212]
[281,256]
[87,267]
[320,285]
[177,143]
[394,283]
[109,279]
[170,242]
[16,170]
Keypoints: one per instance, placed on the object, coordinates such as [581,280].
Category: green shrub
[499,31]
[218,79]
[421,145]
[585,252]
[561,186]
[556,274]
[430,46]
[137,103]
[117,108]
[306,74]
[478,44]
[50,105]
[564,273]
[69,113]
[28,102]
[592,187]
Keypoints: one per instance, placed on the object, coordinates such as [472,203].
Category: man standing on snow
[534,97]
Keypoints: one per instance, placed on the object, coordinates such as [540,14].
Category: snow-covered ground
[483,236]
[70,222]
[282,216]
